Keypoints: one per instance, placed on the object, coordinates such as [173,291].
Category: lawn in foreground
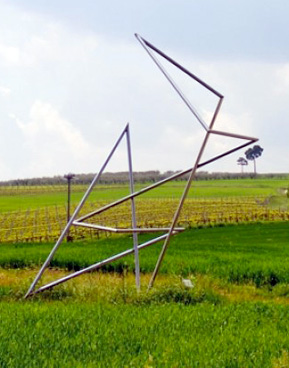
[236,315]
[100,321]
[58,334]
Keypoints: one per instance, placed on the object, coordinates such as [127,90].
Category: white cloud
[9,55]
[46,122]
[5,91]
[31,39]
[282,78]
[55,44]
[95,84]
[52,141]
[6,172]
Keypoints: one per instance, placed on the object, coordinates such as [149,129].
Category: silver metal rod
[184,195]
[96,227]
[192,172]
[171,81]
[177,175]
[176,216]
[227,153]
[161,182]
[78,208]
[186,71]
[232,135]
[125,230]
[133,211]
[96,265]
[135,194]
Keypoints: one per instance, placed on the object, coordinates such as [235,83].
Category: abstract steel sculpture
[173,229]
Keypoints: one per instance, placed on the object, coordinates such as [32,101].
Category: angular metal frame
[173,229]
[209,130]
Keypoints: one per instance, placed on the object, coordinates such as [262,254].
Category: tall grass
[99,320]
[257,253]
[55,334]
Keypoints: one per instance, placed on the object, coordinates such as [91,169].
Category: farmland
[23,197]
[235,251]
[38,213]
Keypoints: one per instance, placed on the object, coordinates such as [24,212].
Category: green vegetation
[171,335]
[34,197]
[210,202]
[235,315]
[250,253]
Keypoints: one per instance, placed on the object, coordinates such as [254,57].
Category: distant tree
[253,153]
[242,162]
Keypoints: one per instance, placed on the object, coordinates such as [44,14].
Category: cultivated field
[39,213]
[235,251]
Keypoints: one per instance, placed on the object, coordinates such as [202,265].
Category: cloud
[30,39]
[9,55]
[5,91]
[75,88]
[282,78]
[55,44]
[5,170]
[53,142]
[47,122]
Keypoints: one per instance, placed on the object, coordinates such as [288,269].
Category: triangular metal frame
[209,130]
[74,221]
[173,229]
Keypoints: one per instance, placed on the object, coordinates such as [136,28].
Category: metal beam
[96,265]
[73,217]
[125,230]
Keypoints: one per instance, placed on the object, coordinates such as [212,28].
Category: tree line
[110,178]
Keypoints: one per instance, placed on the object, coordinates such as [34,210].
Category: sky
[72,75]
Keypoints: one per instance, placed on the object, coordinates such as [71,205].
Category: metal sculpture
[173,229]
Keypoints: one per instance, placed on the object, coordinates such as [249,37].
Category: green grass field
[250,253]
[30,197]
[35,213]
[235,315]
[172,335]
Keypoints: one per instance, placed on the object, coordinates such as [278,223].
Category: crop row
[48,189]
[45,224]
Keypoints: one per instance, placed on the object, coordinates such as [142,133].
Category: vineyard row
[45,224]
